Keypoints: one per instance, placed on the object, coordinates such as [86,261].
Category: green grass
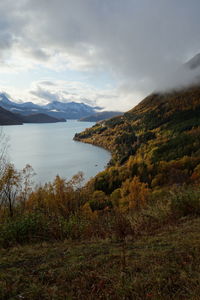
[163,266]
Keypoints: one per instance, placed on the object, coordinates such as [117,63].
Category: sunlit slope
[161,128]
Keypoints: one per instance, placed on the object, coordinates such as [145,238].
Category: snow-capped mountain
[29,105]
[76,107]
[70,110]
[5,102]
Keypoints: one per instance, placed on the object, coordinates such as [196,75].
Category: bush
[23,229]
[73,227]
[99,201]
[185,202]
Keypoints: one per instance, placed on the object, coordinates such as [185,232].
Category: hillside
[158,140]
[8,118]
[100,116]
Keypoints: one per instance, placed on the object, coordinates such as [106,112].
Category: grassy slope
[163,266]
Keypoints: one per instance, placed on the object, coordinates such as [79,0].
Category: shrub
[23,229]
[99,201]
[73,227]
[185,202]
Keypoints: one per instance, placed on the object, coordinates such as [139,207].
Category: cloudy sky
[109,53]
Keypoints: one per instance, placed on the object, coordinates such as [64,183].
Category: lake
[50,150]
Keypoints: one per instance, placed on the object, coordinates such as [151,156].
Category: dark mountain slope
[8,118]
[160,136]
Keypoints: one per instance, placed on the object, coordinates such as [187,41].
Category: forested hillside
[158,141]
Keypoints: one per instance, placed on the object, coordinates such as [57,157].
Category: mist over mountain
[194,62]
[186,75]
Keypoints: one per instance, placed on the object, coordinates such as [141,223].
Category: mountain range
[70,110]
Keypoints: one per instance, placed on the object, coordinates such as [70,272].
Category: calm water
[50,150]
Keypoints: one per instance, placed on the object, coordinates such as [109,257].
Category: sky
[107,53]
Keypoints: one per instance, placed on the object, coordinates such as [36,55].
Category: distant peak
[4,98]
[194,62]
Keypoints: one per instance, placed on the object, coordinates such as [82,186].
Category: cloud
[142,44]
[43,92]
[139,40]
[73,91]
[47,82]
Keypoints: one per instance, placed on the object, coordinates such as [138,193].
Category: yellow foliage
[60,197]
[134,194]
[86,210]
[115,197]
[196,174]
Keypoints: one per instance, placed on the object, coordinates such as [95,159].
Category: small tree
[134,194]
[26,185]
[9,188]
[3,150]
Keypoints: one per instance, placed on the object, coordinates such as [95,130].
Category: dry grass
[163,266]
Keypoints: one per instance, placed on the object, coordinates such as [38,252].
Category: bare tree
[4,145]
[26,184]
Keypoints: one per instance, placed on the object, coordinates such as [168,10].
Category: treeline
[67,210]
